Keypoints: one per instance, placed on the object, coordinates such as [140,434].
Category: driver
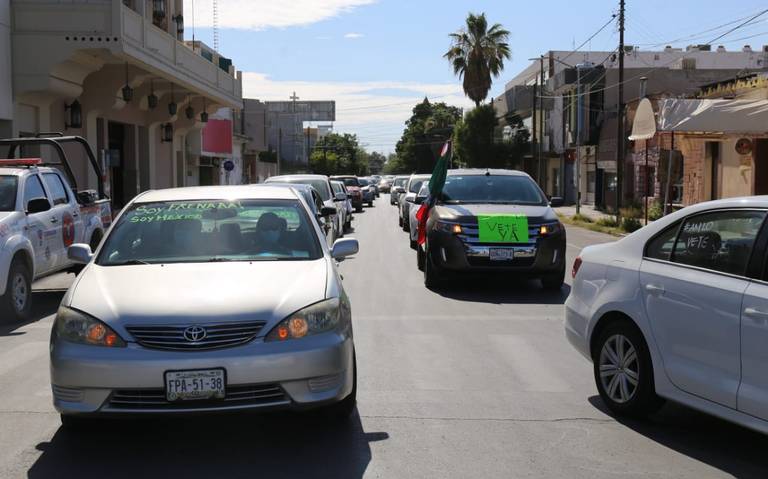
[269,232]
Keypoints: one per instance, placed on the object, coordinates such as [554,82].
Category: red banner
[217,136]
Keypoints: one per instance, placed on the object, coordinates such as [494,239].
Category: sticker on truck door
[67,229]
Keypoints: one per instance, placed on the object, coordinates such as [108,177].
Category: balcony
[57,43]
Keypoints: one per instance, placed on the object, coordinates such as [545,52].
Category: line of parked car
[485,221]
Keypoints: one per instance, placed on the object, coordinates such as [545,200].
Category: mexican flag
[436,183]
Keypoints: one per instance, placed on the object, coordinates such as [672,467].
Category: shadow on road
[735,450]
[44,304]
[231,446]
[500,290]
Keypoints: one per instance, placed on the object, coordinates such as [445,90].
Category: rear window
[351,182]
[211,231]
[363,182]
[501,189]
[8,189]
[320,185]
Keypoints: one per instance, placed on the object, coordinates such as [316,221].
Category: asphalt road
[476,380]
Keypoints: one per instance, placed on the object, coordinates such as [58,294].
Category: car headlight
[80,328]
[453,228]
[319,318]
[550,228]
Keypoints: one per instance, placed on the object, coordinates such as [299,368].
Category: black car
[493,221]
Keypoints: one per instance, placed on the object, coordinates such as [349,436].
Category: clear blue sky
[385,53]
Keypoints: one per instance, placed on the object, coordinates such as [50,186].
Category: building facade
[119,74]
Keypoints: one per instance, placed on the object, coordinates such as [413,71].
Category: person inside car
[270,230]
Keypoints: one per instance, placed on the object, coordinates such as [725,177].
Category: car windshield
[211,231]
[401,181]
[320,185]
[8,185]
[416,183]
[504,189]
[363,182]
[351,181]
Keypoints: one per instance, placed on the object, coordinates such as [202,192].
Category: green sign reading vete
[503,228]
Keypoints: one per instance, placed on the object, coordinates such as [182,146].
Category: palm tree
[477,54]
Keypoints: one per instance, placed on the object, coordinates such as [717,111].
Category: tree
[425,132]
[376,162]
[473,143]
[339,154]
[477,55]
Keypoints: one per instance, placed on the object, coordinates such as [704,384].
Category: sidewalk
[586,210]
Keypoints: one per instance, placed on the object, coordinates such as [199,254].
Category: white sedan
[679,310]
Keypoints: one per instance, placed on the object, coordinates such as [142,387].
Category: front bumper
[545,256]
[369,196]
[296,374]
[357,201]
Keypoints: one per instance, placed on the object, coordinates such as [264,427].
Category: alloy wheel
[619,368]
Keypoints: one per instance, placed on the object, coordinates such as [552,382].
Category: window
[660,247]
[8,185]
[211,231]
[502,189]
[720,241]
[33,189]
[57,189]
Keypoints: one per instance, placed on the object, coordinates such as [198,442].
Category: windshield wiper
[220,260]
[130,262]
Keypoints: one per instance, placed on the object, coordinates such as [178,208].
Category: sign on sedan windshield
[503,228]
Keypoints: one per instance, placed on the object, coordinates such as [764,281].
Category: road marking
[21,354]
[532,368]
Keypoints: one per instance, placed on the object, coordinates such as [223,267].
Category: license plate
[193,385]
[502,254]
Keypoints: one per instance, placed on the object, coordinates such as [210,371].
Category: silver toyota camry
[206,299]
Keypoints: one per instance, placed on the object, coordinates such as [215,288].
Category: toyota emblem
[194,334]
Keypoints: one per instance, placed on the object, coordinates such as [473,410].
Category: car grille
[218,336]
[471,236]
[248,395]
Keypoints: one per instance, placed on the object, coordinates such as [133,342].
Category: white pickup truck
[41,215]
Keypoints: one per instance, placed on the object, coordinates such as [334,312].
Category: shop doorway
[761,167]
[115,154]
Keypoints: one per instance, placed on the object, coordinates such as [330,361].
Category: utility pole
[279,145]
[579,101]
[296,129]
[620,118]
[534,143]
[542,167]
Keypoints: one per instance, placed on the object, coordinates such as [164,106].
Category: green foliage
[376,163]
[425,133]
[268,156]
[608,222]
[581,218]
[336,154]
[474,144]
[655,211]
[630,225]
[477,55]
[631,212]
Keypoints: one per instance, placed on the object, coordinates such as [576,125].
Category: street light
[127,90]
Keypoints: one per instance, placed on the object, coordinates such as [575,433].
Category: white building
[139,89]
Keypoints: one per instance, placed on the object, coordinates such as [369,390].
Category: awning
[714,116]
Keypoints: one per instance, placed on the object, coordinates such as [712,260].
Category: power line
[740,25]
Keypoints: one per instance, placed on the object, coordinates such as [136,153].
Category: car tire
[359,209]
[370,204]
[419,258]
[622,397]
[406,226]
[414,244]
[16,303]
[432,276]
[344,409]
[400,221]
[554,281]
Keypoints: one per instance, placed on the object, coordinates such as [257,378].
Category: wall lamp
[75,115]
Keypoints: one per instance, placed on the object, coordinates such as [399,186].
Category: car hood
[469,212]
[199,292]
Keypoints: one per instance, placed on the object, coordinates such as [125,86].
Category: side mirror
[38,205]
[419,199]
[349,196]
[80,253]
[344,247]
[556,202]
[340,197]
[326,211]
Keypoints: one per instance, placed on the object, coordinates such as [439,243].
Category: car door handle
[756,314]
[75,215]
[653,289]
[54,220]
